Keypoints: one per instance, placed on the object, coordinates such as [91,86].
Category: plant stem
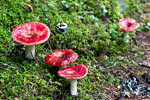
[126,37]
[73,87]
[30,52]
[62,67]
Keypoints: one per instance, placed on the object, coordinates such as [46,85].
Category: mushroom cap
[31,33]
[73,72]
[128,24]
[61,57]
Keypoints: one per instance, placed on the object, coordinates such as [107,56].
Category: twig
[45,14]
[29,6]
[48,45]
[24,9]
[48,6]
[8,65]
[6,28]
[134,40]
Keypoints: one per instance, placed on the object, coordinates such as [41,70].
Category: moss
[93,34]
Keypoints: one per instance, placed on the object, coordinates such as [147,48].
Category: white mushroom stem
[126,37]
[30,52]
[73,87]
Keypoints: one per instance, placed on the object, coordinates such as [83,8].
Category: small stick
[8,65]
[49,21]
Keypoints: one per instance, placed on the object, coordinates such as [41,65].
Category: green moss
[93,34]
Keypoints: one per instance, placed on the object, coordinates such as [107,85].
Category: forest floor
[22,79]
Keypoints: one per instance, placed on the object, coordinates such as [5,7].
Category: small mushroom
[73,73]
[61,57]
[31,34]
[128,25]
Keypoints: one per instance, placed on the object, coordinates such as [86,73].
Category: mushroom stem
[30,52]
[73,87]
[126,37]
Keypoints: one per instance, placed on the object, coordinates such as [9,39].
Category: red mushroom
[31,34]
[61,57]
[128,25]
[73,73]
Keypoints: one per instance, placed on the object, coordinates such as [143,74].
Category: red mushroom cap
[61,57]
[128,24]
[31,33]
[73,72]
